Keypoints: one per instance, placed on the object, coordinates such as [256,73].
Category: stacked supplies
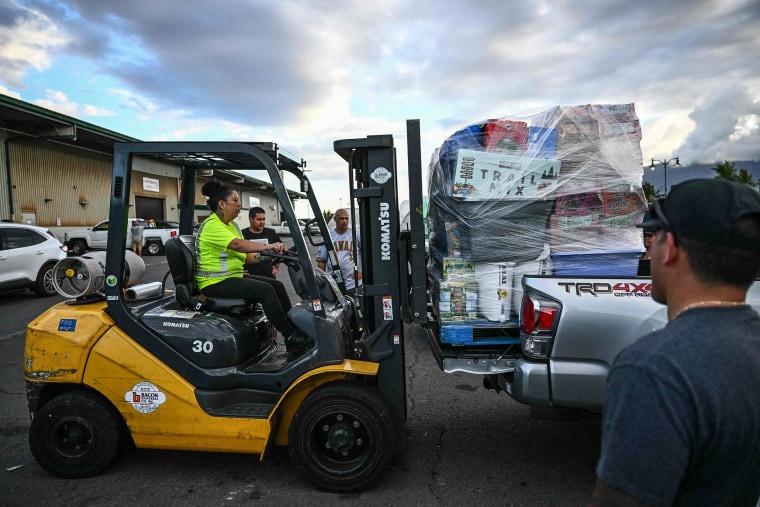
[504,192]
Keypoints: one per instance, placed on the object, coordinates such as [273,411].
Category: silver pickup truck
[572,328]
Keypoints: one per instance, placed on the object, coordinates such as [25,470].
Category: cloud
[58,101]
[304,73]
[9,93]
[726,127]
[26,39]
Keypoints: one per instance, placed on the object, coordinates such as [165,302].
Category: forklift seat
[180,256]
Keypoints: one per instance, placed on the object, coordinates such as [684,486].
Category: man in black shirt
[256,231]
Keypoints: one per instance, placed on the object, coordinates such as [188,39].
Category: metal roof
[34,121]
[27,119]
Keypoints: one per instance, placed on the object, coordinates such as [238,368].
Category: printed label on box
[623,203]
[579,204]
[456,268]
[483,175]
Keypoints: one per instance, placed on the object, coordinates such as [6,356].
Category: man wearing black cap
[647,238]
[682,413]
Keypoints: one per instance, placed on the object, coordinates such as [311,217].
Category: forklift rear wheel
[75,435]
[341,437]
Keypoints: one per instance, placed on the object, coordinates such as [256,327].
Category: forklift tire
[76,435]
[341,437]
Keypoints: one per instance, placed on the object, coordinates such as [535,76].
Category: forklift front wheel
[341,437]
[76,434]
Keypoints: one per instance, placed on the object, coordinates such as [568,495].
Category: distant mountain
[690,172]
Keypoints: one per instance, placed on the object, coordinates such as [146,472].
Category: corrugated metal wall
[5,211]
[51,179]
[63,186]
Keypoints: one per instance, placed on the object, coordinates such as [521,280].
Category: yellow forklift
[110,368]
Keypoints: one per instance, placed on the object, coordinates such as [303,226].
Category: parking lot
[464,446]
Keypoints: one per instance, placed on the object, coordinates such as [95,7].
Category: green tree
[650,192]
[726,171]
[745,178]
[328,215]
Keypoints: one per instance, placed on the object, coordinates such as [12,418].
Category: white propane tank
[75,277]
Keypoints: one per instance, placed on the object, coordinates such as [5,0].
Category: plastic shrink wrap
[552,191]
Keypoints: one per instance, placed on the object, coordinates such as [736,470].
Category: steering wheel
[289,256]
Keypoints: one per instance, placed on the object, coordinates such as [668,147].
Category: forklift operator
[221,252]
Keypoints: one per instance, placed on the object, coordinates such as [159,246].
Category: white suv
[27,256]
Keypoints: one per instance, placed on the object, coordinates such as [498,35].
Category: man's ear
[671,252]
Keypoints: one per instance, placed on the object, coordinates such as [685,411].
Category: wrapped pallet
[522,193]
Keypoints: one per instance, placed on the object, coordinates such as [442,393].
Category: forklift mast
[386,252]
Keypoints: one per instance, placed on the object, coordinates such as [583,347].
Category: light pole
[665,168]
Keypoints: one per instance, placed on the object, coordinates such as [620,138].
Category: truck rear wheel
[153,248]
[341,437]
[76,434]
[78,247]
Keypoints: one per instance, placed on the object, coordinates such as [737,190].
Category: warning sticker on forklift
[317,304]
[67,325]
[145,397]
[380,175]
[387,308]
[179,314]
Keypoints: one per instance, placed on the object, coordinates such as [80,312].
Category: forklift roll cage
[372,168]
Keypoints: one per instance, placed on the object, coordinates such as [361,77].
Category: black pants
[269,292]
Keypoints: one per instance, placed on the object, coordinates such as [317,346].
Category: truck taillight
[173,233]
[536,325]
[537,315]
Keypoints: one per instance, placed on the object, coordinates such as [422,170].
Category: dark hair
[215,192]
[725,265]
[255,211]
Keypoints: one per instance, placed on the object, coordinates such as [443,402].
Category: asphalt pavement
[464,446]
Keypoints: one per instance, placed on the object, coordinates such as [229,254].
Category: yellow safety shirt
[214,262]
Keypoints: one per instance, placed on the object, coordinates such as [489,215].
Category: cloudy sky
[304,73]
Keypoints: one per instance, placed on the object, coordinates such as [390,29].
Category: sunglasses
[658,214]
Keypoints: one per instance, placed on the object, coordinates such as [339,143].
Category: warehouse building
[57,174]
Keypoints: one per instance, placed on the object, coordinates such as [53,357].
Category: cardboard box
[576,123]
[620,200]
[614,113]
[542,142]
[574,233]
[457,301]
[491,175]
[506,135]
[628,128]
[586,203]
[457,269]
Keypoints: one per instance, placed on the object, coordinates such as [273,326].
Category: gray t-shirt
[137,232]
[682,414]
